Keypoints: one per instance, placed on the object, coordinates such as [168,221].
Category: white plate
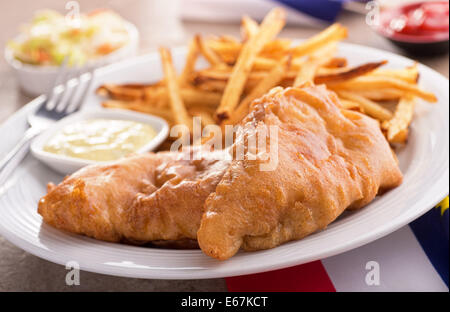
[424,162]
[67,165]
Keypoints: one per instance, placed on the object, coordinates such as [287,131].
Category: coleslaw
[50,38]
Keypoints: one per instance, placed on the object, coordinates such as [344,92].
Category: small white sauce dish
[67,165]
[37,79]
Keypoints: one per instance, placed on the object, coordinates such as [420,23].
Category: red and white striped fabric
[399,260]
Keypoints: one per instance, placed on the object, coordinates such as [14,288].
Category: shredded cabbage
[51,37]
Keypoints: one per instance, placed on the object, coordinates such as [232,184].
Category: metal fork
[66,97]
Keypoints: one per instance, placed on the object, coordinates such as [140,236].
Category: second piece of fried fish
[328,160]
[139,199]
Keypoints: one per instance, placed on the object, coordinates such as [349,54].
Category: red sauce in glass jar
[417,22]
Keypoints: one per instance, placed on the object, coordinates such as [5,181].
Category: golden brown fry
[348,74]
[208,53]
[206,117]
[306,73]
[219,86]
[228,39]
[270,81]
[212,74]
[333,33]
[337,62]
[387,94]
[139,106]
[191,96]
[264,63]
[179,111]
[276,49]
[270,27]
[211,85]
[347,104]
[309,68]
[374,82]
[249,28]
[408,74]
[224,75]
[189,66]
[397,127]
[381,94]
[229,51]
[369,107]
[331,71]
[151,93]
[157,96]
[121,92]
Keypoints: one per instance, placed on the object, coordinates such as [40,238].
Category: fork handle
[20,146]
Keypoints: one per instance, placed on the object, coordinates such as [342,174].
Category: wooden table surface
[20,271]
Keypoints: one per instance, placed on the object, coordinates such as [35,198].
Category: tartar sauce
[100,139]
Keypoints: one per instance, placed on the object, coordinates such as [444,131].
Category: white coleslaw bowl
[37,79]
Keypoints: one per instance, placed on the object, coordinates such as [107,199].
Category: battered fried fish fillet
[328,160]
[143,198]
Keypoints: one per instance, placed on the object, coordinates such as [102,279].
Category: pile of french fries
[242,70]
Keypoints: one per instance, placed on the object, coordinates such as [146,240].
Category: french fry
[397,127]
[193,97]
[276,49]
[205,116]
[139,106]
[309,68]
[270,27]
[331,71]
[264,63]
[337,62]
[387,94]
[333,33]
[228,39]
[151,94]
[212,74]
[219,46]
[211,85]
[220,85]
[381,94]
[271,80]
[121,92]
[347,104]
[157,96]
[306,73]
[229,51]
[208,53]
[369,107]
[189,66]
[179,111]
[374,82]
[408,74]
[249,28]
[220,74]
[348,74]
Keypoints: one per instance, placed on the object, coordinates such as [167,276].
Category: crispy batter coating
[139,199]
[328,160]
